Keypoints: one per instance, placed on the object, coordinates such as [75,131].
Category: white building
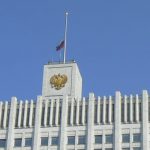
[61,119]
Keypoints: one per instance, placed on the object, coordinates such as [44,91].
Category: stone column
[10,136]
[90,123]
[36,138]
[63,138]
[117,123]
[145,124]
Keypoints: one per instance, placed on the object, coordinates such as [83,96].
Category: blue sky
[110,41]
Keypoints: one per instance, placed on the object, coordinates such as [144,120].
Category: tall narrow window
[74,114]
[54,115]
[107,113]
[69,114]
[48,114]
[2,143]
[80,114]
[42,116]
[17,116]
[95,113]
[33,117]
[101,113]
[59,120]
[122,112]
[128,112]
[140,112]
[86,113]
[113,113]
[134,112]
[8,113]
[2,117]
[22,117]
[28,116]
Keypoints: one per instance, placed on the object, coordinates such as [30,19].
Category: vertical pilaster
[20,114]
[72,108]
[51,112]
[90,124]
[57,112]
[104,110]
[10,136]
[1,105]
[117,123]
[125,109]
[31,113]
[38,111]
[5,114]
[62,145]
[145,124]
[98,110]
[83,111]
[77,112]
[110,108]
[45,113]
[131,108]
[25,113]
[137,108]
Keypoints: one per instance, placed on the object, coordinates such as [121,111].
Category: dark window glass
[28,142]
[17,116]
[69,114]
[48,115]
[107,113]
[86,113]
[80,114]
[18,142]
[59,120]
[95,114]
[125,138]
[128,112]
[122,112]
[136,148]
[125,148]
[33,117]
[55,141]
[74,114]
[22,117]
[71,140]
[2,118]
[136,137]
[44,141]
[2,143]
[101,113]
[54,115]
[42,116]
[109,139]
[28,115]
[98,139]
[81,140]
[7,121]
[108,149]
[113,113]
[134,112]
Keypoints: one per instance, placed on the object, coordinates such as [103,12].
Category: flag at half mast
[61,45]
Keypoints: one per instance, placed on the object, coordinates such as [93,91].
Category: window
[109,139]
[28,142]
[108,149]
[125,148]
[136,148]
[125,138]
[81,140]
[136,137]
[2,143]
[98,139]
[55,141]
[44,141]
[71,140]
[18,142]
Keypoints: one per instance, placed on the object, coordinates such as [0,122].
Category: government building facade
[61,119]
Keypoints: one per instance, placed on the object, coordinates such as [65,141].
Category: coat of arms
[58,81]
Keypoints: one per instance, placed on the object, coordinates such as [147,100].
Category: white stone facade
[69,122]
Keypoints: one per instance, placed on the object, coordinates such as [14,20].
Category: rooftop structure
[61,119]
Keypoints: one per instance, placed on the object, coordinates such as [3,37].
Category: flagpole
[65,46]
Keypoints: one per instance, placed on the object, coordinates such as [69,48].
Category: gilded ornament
[58,81]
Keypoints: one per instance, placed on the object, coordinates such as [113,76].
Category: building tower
[61,119]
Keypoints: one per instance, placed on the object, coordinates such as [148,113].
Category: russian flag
[60,46]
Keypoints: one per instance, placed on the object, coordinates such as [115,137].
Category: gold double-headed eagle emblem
[58,81]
